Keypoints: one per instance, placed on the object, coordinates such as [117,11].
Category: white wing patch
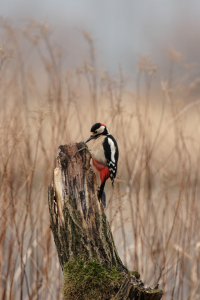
[112,148]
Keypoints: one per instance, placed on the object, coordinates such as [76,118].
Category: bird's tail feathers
[100,193]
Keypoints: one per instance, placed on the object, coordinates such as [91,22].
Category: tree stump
[82,234]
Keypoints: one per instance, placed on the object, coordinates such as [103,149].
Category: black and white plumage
[104,153]
[111,153]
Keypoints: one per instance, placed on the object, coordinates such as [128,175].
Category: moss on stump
[89,280]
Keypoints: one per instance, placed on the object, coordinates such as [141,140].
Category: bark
[79,224]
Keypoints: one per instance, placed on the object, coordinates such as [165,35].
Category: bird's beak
[90,138]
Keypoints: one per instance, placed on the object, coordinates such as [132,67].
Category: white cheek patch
[100,130]
[112,147]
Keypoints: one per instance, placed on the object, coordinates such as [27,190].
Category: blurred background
[134,66]
[122,30]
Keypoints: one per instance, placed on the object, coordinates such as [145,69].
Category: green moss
[153,291]
[89,280]
[135,273]
[158,291]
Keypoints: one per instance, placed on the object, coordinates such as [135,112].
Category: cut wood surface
[79,224]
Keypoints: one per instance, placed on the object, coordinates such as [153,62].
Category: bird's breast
[97,151]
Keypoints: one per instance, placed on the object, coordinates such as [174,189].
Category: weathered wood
[79,224]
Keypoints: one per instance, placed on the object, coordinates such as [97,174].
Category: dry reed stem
[153,210]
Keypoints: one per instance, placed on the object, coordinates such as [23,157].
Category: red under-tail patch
[102,169]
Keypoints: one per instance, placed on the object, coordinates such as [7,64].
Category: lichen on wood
[80,228]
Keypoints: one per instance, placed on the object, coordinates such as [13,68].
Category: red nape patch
[102,169]
[102,124]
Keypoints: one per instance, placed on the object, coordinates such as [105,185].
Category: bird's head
[97,130]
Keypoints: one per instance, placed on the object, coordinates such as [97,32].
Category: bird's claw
[103,197]
[84,148]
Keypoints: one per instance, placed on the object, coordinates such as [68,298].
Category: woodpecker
[104,153]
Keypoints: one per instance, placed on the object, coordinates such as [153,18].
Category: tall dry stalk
[153,209]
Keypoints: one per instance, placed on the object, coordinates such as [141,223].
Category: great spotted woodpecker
[104,154]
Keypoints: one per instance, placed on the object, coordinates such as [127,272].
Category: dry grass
[154,210]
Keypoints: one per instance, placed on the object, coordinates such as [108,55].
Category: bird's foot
[84,148]
[98,192]
[103,199]
[101,196]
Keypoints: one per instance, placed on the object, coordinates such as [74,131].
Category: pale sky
[122,29]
